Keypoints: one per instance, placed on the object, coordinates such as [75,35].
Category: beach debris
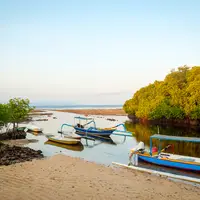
[37,111]
[15,154]
[43,113]
[54,117]
[41,120]
[29,119]
[111,119]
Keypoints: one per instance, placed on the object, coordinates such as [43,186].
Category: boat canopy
[83,118]
[172,138]
[175,138]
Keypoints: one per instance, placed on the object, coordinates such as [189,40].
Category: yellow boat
[64,140]
[78,147]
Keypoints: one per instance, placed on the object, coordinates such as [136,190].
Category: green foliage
[165,110]
[176,97]
[15,111]
[19,109]
[195,113]
[4,113]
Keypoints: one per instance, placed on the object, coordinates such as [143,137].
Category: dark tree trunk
[13,126]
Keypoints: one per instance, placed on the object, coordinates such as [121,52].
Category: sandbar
[116,112]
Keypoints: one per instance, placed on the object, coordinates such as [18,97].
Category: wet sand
[118,112]
[63,177]
[19,142]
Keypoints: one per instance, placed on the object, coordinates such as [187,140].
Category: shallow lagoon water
[98,151]
[116,150]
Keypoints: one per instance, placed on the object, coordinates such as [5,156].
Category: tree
[18,109]
[4,113]
[176,97]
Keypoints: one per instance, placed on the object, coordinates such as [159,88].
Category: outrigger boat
[87,126]
[168,159]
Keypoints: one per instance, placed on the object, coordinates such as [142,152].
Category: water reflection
[89,142]
[78,147]
[143,133]
[100,139]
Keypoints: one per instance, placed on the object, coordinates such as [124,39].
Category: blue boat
[95,131]
[87,126]
[168,159]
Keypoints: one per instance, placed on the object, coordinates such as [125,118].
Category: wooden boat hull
[93,131]
[78,147]
[36,131]
[64,141]
[170,163]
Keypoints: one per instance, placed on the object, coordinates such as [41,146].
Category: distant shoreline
[94,111]
[116,111]
[76,107]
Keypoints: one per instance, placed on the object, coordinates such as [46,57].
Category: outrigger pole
[129,134]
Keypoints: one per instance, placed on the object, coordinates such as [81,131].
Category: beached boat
[168,159]
[64,140]
[87,126]
[33,128]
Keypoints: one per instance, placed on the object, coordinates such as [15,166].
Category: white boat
[33,128]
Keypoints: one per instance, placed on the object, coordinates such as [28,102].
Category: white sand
[62,177]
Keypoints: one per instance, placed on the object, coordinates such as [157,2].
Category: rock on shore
[11,155]
[12,135]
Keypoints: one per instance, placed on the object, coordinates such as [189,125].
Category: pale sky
[93,52]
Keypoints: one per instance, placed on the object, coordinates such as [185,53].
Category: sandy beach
[118,112]
[63,177]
